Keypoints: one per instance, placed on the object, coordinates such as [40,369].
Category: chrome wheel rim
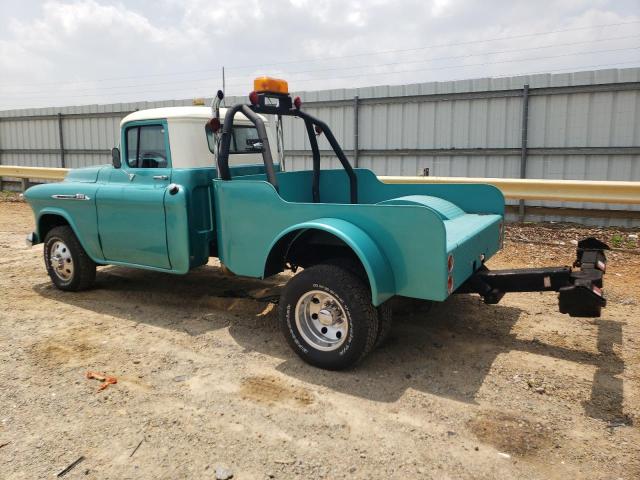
[321,320]
[61,261]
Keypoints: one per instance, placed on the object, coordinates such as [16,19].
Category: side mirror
[115,157]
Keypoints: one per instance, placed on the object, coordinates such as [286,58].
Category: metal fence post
[356,149]
[62,162]
[523,144]
[1,180]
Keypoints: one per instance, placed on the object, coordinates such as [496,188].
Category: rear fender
[374,262]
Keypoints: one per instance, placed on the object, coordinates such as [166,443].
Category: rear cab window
[244,139]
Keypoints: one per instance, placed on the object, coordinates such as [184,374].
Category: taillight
[253,98]
[596,290]
[450,284]
[450,264]
[297,102]
[601,266]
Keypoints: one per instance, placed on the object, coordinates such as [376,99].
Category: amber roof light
[270,85]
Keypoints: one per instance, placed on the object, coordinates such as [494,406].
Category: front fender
[79,214]
[90,245]
[375,263]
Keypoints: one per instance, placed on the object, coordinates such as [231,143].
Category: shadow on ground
[447,351]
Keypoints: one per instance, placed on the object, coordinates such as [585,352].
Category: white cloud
[440,7]
[70,51]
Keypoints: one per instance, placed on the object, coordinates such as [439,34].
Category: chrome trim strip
[77,196]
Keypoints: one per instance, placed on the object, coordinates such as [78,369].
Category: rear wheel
[327,317]
[68,265]
[385,312]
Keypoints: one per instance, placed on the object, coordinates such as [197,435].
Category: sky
[76,52]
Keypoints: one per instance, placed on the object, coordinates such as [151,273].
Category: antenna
[223,83]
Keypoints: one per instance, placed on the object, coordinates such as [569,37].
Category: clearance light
[270,85]
[214,124]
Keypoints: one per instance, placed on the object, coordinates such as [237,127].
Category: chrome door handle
[161,177]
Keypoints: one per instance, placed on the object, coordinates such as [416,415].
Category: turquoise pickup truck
[190,183]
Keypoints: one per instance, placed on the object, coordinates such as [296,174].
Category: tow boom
[579,287]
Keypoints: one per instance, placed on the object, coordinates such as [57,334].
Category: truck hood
[85,175]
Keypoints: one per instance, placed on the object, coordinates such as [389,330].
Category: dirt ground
[205,379]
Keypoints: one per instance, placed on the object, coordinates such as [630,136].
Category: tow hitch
[579,287]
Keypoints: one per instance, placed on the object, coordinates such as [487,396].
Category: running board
[579,288]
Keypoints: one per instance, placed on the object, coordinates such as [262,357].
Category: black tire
[353,297]
[83,272]
[385,322]
[385,312]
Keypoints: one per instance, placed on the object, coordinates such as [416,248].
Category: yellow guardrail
[557,190]
[33,172]
[512,188]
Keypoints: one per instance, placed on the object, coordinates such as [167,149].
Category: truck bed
[415,227]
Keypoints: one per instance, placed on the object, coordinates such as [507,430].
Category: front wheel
[327,317]
[68,265]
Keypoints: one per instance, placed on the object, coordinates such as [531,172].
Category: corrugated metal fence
[582,125]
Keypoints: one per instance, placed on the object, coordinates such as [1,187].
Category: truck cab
[190,183]
[122,212]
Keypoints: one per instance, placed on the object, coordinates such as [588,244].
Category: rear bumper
[32,239]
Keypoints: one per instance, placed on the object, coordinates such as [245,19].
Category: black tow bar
[579,288]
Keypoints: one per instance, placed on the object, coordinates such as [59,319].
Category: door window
[146,147]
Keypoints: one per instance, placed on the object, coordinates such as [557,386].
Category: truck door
[131,215]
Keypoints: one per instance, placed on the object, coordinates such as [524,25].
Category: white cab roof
[200,113]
